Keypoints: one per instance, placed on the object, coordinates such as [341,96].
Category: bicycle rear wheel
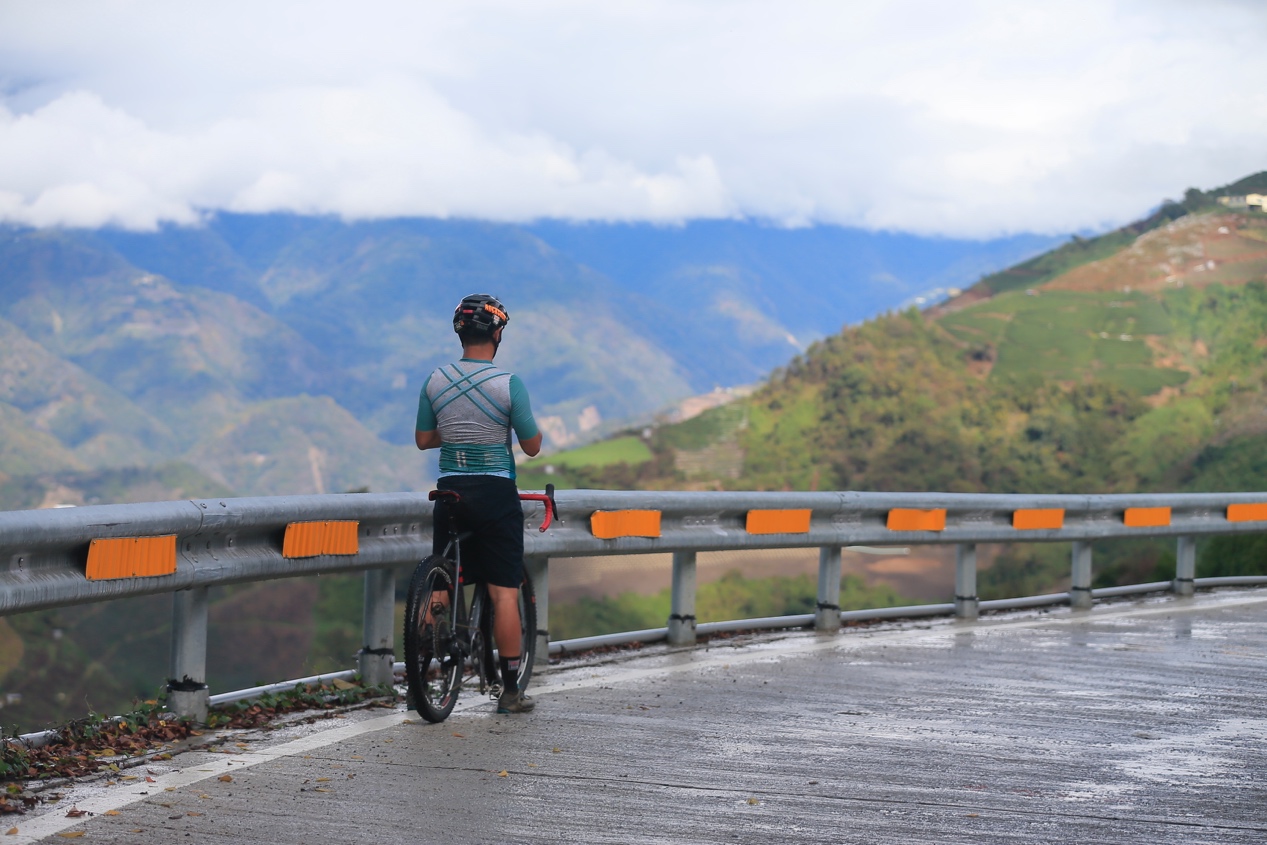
[433,599]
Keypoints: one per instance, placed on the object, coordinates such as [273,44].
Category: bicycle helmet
[479,313]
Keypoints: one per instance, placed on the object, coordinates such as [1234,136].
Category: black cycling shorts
[490,509]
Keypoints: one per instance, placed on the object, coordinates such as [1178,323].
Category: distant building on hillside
[1250,202]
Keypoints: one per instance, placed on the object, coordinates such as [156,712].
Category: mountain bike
[449,624]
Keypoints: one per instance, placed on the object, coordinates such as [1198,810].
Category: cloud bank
[967,119]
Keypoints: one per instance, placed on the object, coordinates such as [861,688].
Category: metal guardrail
[45,558]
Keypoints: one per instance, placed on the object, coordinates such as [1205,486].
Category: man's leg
[508,635]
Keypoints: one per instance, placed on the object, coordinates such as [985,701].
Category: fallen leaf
[225,778]
[555,750]
[169,789]
[533,766]
[193,814]
[149,779]
[241,745]
[113,813]
[195,733]
[128,777]
[339,683]
[356,757]
[974,815]
[13,831]
[75,812]
[753,801]
[323,780]
[459,736]
[503,774]
[173,818]
[320,789]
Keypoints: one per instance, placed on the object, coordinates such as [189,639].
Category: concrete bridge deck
[1135,722]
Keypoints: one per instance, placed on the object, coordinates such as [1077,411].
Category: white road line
[35,828]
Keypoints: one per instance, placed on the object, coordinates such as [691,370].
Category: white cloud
[972,118]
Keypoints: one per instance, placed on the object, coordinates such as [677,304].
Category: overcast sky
[965,118]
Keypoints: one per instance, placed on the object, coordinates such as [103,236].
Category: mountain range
[274,354]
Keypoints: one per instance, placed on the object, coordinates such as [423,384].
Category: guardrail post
[538,567]
[827,617]
[187,693]
[682,609]
[967,605]
[1080,585]
[1185,566]
[379,626]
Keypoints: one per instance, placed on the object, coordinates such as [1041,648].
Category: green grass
[1058,334]
[622,450]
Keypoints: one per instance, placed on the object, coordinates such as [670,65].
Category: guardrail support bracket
[1185,566]
[187,693]
[1080,585]
[682,610]
[967,604]
[378,652]
[827,617]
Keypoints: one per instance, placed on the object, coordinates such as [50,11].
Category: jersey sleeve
[426,415]
[521,419]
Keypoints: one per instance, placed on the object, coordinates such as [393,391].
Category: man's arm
[521,418]
[426,433]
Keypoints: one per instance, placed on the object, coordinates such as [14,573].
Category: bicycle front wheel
[433,666]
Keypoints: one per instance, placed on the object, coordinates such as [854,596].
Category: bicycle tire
[528,628]
[433,691]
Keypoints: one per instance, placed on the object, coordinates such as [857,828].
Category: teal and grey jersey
[474,406]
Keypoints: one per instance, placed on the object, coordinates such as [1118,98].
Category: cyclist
[468,409]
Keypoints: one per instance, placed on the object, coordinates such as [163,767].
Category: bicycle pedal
[495,691]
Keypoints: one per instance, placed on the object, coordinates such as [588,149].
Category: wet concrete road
[1141,722]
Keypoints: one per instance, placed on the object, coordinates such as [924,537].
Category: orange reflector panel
[608,525]
[1146,517]
[131,557]
[309,539]
[910,519]
[1247,513]
[779,522]
[1029,520]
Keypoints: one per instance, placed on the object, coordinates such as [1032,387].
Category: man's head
[479,319]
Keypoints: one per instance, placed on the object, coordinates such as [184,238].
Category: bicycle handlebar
[546,499]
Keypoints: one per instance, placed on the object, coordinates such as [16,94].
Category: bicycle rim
[528,630]
[433,672]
